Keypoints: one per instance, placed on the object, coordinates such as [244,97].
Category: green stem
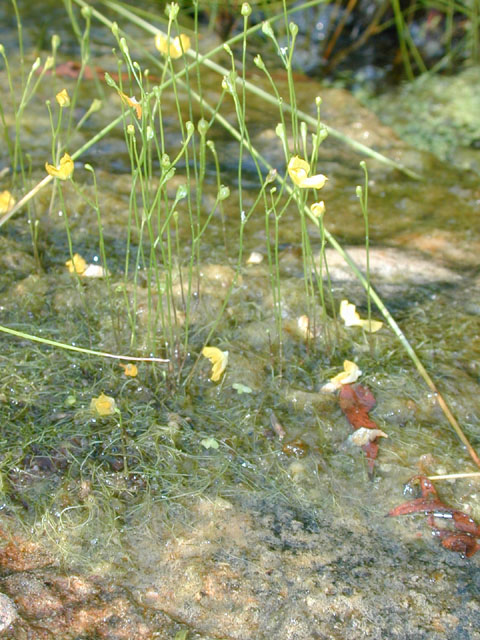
[71,347]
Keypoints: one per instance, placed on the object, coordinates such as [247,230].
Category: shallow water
[260,534]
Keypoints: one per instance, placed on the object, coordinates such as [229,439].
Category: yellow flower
[352,318]
[63,98]
[77,264]
[130,369]
[177,47]
[7,201]
[350,374]
[64,171]
[298,171]
[103,405]
[132,102]
[219,360]
[318,209]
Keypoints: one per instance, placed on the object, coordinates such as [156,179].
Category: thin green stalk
[400,24]
[362,195]
[20,42]
[103,254]
[71,347]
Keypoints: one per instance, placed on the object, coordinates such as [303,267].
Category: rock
[458,248]
[396,266]
[8,612]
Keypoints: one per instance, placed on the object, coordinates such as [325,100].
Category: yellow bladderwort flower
[298,170]
[219,360]
[318,209]
[130,369]
[352,319]
[64,170]
[177,46]
[350,374]
[77,264]
[103,405]
[132,102]
[63,98]
[7,201]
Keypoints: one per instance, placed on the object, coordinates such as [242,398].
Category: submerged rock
[268,570]
[8,612]
[389,264]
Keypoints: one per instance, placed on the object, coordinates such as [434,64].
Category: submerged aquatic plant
[156,298]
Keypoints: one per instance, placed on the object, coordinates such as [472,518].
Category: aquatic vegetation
[131,102]
[64,170]
[351,372]
[298,170]
[62,98]
[209,443]
[130,369]
[219,360]
[103,405]
[7,201]
[77,264]
[352,318]
[318,209]
[192,193]
[172,47]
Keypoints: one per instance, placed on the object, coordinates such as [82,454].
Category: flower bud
[258,60]
[223,192]
[267,30]
[171,11]
[202,127]
[246,9]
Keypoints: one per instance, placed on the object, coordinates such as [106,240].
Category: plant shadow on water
[238,508]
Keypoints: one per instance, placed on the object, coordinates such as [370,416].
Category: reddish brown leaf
[463,543]
[463,539]
[355,401]
[463,522]
[424,505]
[371,451]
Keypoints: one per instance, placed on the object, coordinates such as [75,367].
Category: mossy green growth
[437,113]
